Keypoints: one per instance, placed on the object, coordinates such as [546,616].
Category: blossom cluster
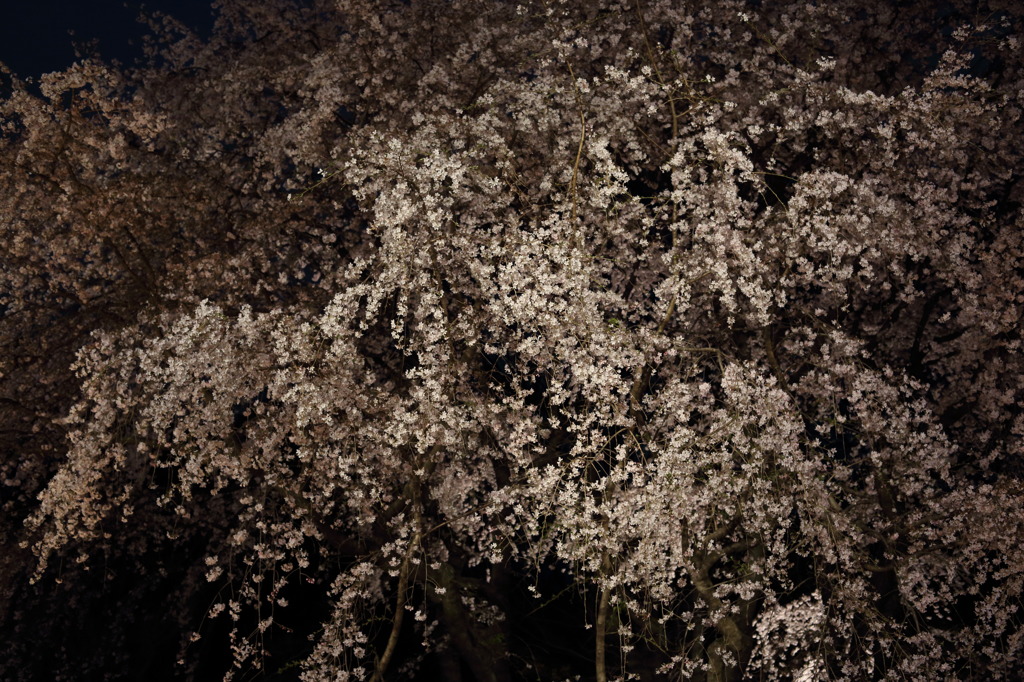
[365,340]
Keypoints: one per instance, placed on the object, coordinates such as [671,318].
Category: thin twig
[601,626]
[396,625]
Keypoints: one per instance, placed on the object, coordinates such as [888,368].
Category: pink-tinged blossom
[365,341]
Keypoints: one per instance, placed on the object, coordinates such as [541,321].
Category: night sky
[34,35]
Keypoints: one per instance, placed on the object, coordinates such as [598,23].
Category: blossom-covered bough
[484,340]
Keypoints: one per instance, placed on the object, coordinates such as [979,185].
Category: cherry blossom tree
[543,340]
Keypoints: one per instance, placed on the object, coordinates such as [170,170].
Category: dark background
[34,36]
